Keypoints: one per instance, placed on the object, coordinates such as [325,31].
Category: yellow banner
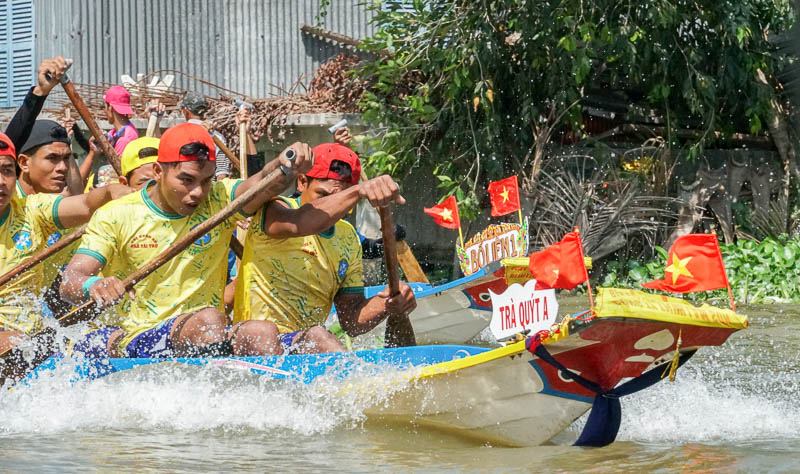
[617,302]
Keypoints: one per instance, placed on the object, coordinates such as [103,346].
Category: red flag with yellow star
[445,214]
[504,195]
[694,263]
[560,265]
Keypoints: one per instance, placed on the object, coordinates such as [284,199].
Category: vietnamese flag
[694,263]
[445,214]
[504,195]
[560,265]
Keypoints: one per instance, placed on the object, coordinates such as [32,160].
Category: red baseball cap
[326,154]
[119,99]
[175,138]
[7,147]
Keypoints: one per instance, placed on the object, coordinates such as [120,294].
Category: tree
[483,89]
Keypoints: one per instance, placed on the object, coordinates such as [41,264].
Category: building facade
[253,47]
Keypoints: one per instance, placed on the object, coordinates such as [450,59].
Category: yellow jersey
[292,282]
[127,233]
[53,265]
[24,228]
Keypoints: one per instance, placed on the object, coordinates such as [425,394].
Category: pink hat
[119,99]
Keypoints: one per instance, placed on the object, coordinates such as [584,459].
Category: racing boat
[521,394]
[454,312]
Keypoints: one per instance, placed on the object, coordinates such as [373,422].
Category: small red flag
[504,195]
[445,214]
[560,265]
[694,263]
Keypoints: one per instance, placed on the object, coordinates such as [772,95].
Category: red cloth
[694,263]
[445,214]
[504,195]
[560,265]
[169,148]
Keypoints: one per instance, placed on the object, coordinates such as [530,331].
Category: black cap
[45,132]
[195,103]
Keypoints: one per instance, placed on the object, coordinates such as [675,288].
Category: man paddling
[137,162]
[300,258]
[177,310]
[26,221]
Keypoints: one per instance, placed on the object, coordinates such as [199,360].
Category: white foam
[696,408]
[169,397]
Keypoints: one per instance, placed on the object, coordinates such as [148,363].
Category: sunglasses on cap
[148,151]
[3,145]
[196,149]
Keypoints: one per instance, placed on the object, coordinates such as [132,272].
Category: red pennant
[504,195]
[560,265]
[445,214]
[694,263]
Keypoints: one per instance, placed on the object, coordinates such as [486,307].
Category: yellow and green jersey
[24,229]
[54,264]
[292,282]
[127,233]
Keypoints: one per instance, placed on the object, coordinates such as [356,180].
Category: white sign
[522,308]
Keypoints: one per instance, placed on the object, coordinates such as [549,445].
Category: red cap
[326,154]
[169,149]
[119,99]
[7,147]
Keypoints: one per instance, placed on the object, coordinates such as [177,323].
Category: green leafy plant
[481,90]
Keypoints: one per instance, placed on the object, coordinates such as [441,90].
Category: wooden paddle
[273,182]
[399,332]
[42,255]
[83,111]
[226,151]
[408,262]
[151,125]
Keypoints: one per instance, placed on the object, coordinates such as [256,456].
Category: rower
[300,257]
[48,166]
[137,162]
[177,310]
[25,223]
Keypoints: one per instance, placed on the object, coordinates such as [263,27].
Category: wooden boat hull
[505,396]
[455,312]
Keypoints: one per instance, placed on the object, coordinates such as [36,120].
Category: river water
[733,408]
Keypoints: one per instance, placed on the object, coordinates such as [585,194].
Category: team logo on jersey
[143,241]
[22,240]
[200,244]
[54,237]
[204,240]
[343,266]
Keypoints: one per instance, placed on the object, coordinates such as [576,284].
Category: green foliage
[632,273]
[758,271]
[470,87]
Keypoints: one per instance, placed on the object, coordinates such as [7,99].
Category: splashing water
[174,397]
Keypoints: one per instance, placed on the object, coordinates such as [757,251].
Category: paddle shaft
[408,262]
[273,181]
[98,134]
[151,124]
[390,250]
[226,151]
[41,256]
[399,332]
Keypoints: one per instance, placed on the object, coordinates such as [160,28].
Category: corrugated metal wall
[250,46]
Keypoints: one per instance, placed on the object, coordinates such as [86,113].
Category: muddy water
[732,408]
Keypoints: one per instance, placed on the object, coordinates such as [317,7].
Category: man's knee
[319,339]
[255,338]
[208,319]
